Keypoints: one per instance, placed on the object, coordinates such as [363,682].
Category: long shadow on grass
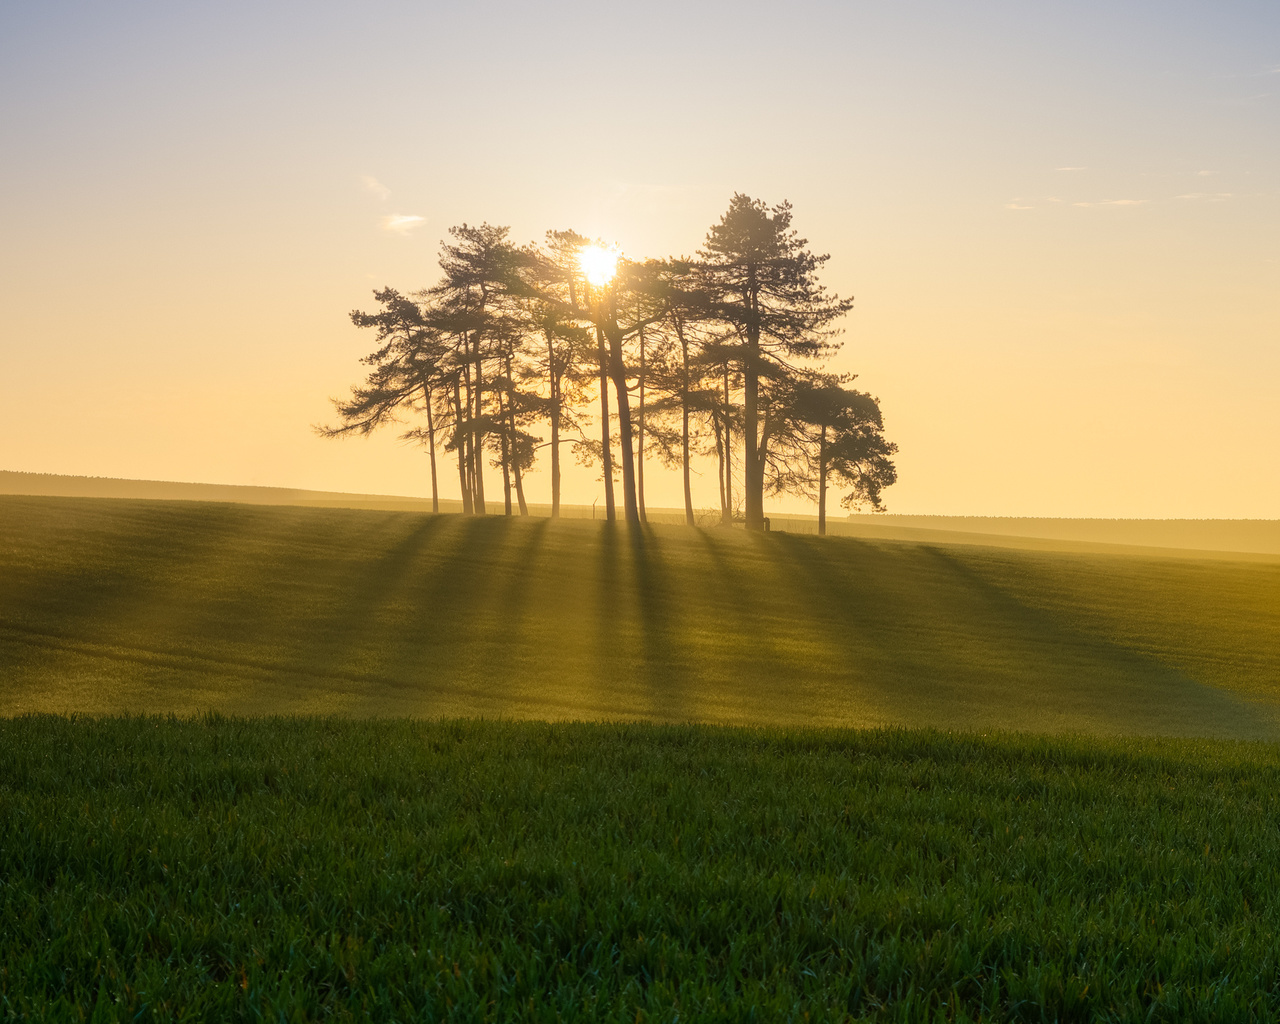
[1135,667]
[961,651]
[454,624]
[636,658]
[733,591]
[613,648]
[358,628]
[252,631]
[94,568]
[115,579]
[661,662]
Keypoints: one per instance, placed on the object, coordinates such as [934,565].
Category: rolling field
[111,606]
[337,852]
[467,871]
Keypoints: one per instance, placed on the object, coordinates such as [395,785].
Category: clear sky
[1060,221]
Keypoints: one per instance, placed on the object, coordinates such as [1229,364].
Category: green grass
[408,868]
[286,869]
[110,606]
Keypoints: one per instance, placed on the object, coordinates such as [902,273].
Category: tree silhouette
[763,283]
[469,303]
[408,366]
[831,431]
[703,351]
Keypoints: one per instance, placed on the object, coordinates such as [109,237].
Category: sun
[598,263]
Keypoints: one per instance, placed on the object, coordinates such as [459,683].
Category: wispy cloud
[1115,202]
[373,185]
[1071,168]
[1265,73]
[1015,205]
[402,223]
[1213,197]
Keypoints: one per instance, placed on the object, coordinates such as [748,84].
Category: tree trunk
[720,451]
[507,419]
[505,454]
[477,453]
[640,434]
[753,464]
[618,371]
[728,452]
[431,450]
[607,452]
[522,504]
[555,429]
[822,482]
[515,460]
[464,485]
[684,427]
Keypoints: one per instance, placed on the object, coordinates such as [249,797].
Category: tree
[678,372]
[468,303]
[618,305]
[763,282]
[554,360]
[407,366]
[602,309]
[836,432]
[695,351]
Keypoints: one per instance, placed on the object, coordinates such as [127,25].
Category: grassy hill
[284,869]
[151,606]
[1190,537]
[287,867]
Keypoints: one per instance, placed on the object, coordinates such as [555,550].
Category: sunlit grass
[302,870]
[113,606]
[330,868]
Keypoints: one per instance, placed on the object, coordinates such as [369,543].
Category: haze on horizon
[1060,222]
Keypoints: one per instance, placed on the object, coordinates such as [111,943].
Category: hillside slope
[1192,538]
[109,606]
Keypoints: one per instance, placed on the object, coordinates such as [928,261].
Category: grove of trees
[518,351]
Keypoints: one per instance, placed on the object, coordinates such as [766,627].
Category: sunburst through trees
[715,356]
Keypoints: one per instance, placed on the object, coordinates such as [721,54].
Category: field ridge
[111,605]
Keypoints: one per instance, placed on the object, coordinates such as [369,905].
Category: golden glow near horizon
[599,264]
[1067,284]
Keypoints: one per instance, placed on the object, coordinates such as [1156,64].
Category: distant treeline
[716,355]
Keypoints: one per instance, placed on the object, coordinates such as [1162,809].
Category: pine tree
[763,283]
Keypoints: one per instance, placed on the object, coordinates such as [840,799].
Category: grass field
[344,870]
[1207,537]
[379,863]
[149,606]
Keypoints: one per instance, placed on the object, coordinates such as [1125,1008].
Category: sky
[1059,222]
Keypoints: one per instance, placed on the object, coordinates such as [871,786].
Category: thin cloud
[373,185]
[1203,174]
[1251,74]
[1213,197]
[1071,168]
[402,223]
[1115,202]
[1015,205]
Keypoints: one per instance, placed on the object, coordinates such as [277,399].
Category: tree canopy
[715,356]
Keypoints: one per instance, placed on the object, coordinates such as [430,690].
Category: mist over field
[640,513]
